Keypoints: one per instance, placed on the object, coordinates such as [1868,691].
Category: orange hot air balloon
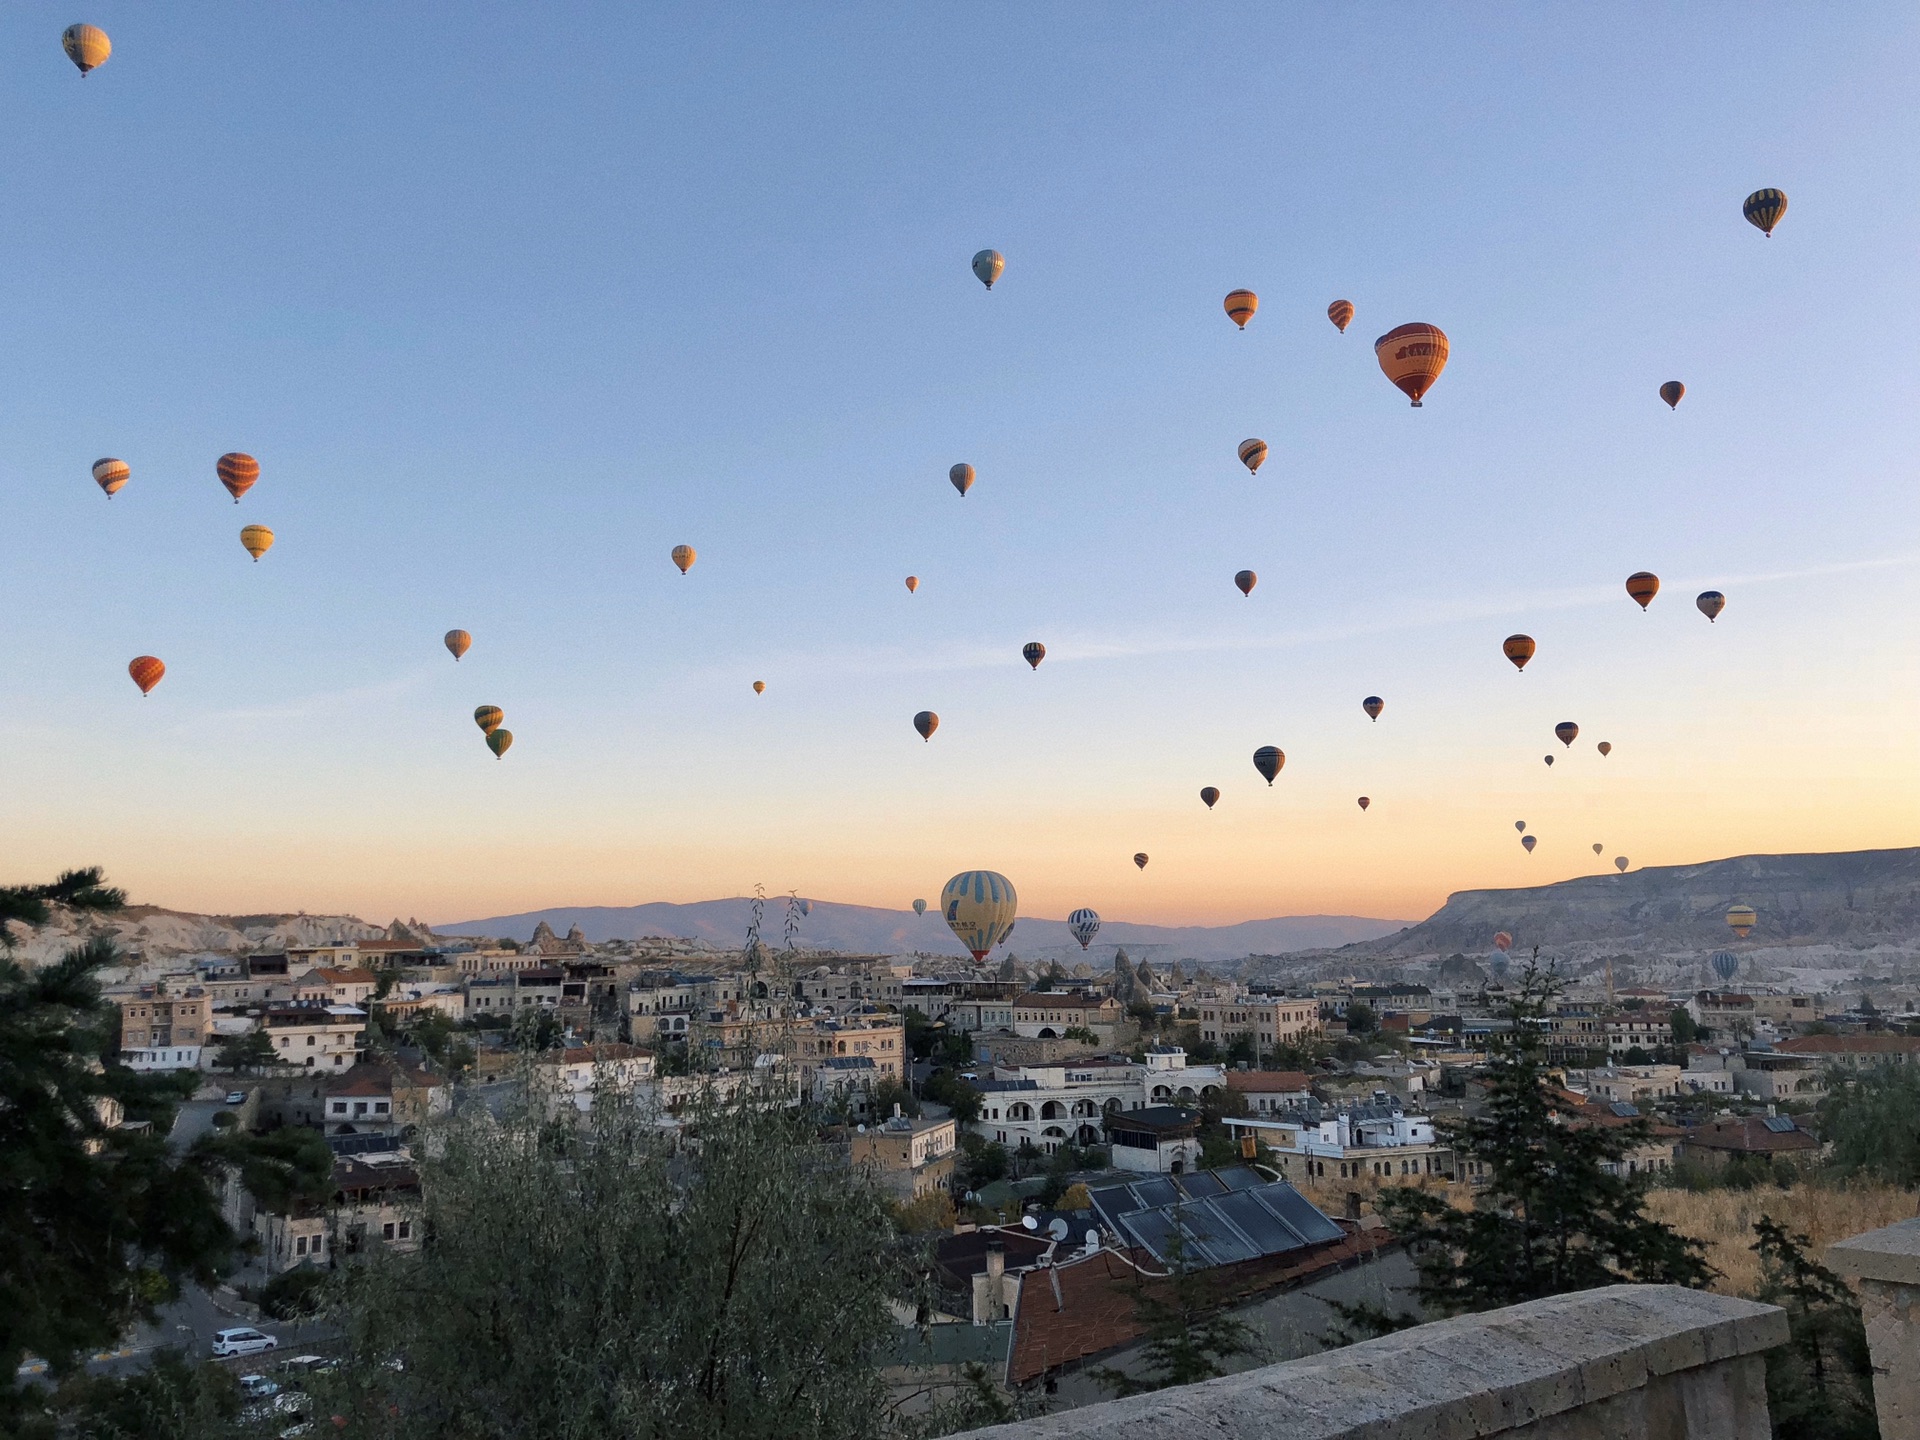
[759,687]
[1140,859]
[488,718]
[458,642]
[1502,942]
[1605,747]
[962,477]
[237,472]
[1246,580]
[1528,842]
[1643,585]
[110,475]
[87,46]
[926,722]
[1373,705]
[146,671]
[1033,652]
[1567,732]
[1268,760]
[499,741]
[1671,392]
[1412,357]
[1364,802]
[913,583]
[1240,306]
[1252,454]
[684,557]
[257,539]
[1711,603]
[1340,312]
[1209,796]
[1518,649]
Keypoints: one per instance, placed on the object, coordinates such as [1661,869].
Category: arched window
[1052,1110]
[1020,1111]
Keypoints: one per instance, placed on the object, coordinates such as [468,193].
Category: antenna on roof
[1057,1230]
[1029,1223]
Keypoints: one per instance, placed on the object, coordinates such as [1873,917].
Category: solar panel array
[1222,1217]
[1780,1124]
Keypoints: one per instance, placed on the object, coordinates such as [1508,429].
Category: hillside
[151,934]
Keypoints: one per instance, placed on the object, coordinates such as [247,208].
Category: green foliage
[928,1214]
[96,1224]
[173,1398]
[944,1087]
[985,1160]
[1685,1032]
[1820,1383]
[1873,1122]
[1739,1172]
[294,1294]
[282,1169]
[241,1053]
[1361,1019]
[439,1037]
[1362,1320]
[1551,1218]
[1080,1033]
[889,1093]
[33,905]
[537,1028]
[1188,1334]
[608,1278]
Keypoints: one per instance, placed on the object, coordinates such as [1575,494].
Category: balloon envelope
[1763,209]
[913,583]
[1240,306]
[258,539]
[1503,942]
[1033,652]
[1711,603]
[1209,796]
[979,906]
[759,687]
[1521,826]
[1605,747]
[1643,585]
[1364,802]
[1412,357]
[1725,964]
[683,556]
[1246,580]
[1741,919]
[146,671]
[1549,760]
[926,722]
[458,642]
[238,473]
[1671,393]
[111,474]
[498,741]
[1252,454]
[1340,312]
[1083,925]
[919,907]
[1268,759]
[1518,649]
[1373,705]
[1620,863]
[1567,732]
[1140,859]
[488,718]
[962,477]
[86,45]
[1529,842]
[988,265]
[1596,849]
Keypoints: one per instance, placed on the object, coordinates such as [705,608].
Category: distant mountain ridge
[869,930]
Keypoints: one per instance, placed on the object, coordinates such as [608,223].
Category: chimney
[996,1263]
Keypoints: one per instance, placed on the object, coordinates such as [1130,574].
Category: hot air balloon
[1605,747]
[1364,802]
[499,741]
[1140,859]
[759,687]
[1528,842]
[1521,826]
[806,907]
[684,557]
[111,474]
[258,539]
[1725,964]
[488,718]
[979,907]
[237,472]
[926,722]
[1412,357]
[457,642]
[1500,964]
[1620,863]
[1034,652]
[1549,760]
[1083,925]
[1643,585]
[1373,705]
[1246,580]
[962,477]
[146,671]
[1503,942]
[1596,849]
[1518,649]
[1209,796]
[1741,919]
[1566,732]
[1711,603]
[1340,312]
[987,265]
[913,583]
[1671,392]
[1763,209]
[1268,759]
[919,907]
[1240,306]
[1252,454]
[86,45]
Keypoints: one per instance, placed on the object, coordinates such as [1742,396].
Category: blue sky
[510,300]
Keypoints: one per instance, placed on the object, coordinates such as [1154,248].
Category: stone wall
[1630,1362]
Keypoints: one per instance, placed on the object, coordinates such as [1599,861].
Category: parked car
[243,1340]
[236,1097]
[258,1387]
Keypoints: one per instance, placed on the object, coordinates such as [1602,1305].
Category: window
[386,1231]
[406,1229]
[300,1245]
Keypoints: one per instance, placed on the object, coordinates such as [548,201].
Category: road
[190,1323]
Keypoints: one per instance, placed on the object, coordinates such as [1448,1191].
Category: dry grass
[1724,1220]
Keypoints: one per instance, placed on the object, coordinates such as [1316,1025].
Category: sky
[509,300]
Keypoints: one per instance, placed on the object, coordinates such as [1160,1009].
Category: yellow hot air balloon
[1518,649]
[258,539]
[1412,357]
[1643,585]
[1240,306]
[759,687]
[683,556]
[1340,312]
[498,741]
[980,907]
[86,45]
[1741,918]
[457,642]
[1253,454]
[488,718]
[1763,209]
[111,474]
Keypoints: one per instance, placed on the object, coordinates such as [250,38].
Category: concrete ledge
[1480,1375]
[1890,1254]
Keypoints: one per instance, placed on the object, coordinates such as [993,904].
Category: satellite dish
[1057,1231]
[1093,1239]
[1029,1223]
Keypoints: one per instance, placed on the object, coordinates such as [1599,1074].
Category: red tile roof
[1850,1045]
[1268,1082]
[1747,1136]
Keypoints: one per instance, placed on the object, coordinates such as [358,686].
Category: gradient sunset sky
[510,299]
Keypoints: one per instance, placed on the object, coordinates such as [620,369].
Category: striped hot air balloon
[257,539]
[146,671]
[1763,209]
[1412,357]
[926,722]
[86,45]
[1518,649]
[1209,796]
[1034,652]
[499,741]
[1671,393]
[1140,859]
[1240,306]
[1253,454]
[1502,941]
[962,477]
[919,907]
[1711,603]
[1643,585]
[1567,732]
[1741,919]
[1246,580]
[238,473]
[1340,312]
[1268,760]
[1725,964]
[684,556]
[1373,705]
[1083,925]
[980,907]
[488,718]
[111,474]
[458,642]
[989,265]
[1527,842]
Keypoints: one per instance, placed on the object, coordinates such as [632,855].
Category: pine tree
[1820,1383]
[1189,1335]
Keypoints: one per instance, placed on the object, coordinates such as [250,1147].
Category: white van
[242,1340]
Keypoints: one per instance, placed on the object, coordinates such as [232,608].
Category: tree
[538,1028]
[173,1398]
[1361,1019]
[1685,1032]
[251,1051]
[1873,1122]
[1080,1033]
[602,1278]
[943,1087]
[1188,1334]
[281,1169]
[97,1223]
[33,905]
[1557,1213]
[1820,1383]
[889,1093]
